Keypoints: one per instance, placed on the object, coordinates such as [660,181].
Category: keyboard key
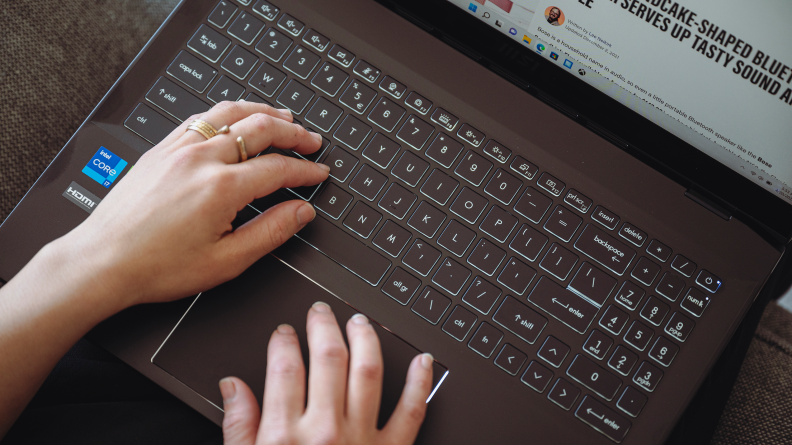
[632,234]
[341,55]
[274,44]
[316,40]
[659,250]
[516,276]
[381,150]
[578,201]
[222,14]
[670,286]
[510,359]
[439,186]
[256,99]
[614,319]
[498,224]
[486,257]
[563,223]
[528,242]
[605,249]
[267,79]
[563,394]
[295,97]
[503,186]
[333,201]
[421,257]
[597,344]
[393,87]
[386,114]
[638,335]
[695,302]
[352,132]
[341,163]
[608,219]
[401,286]
[239,62]
[481,295]
[648,376]
[645,271]
[470,135]
[451,276]
[663,351]
[323,114]
[654,311]
[445,119]
[329,79]
[553,351]
[357,97]
[469,205]
[225,89]
[397,201]
[562,304]
[209,43]
[246,28]
[679,327]
[558,261]
[632,401]
[523,167]
[497,151]
[415,132]
[367,71]
[594,377]
[392,238]
[410,168]
[418,103]
[485,339]
[533,205]
[537,376]
[459,323]
[473,168]
[431,305]
[426,219]
[191,71]
[362,219]
[630,295]
[683,266]
[551,184]
[266,10]
[149,124]
[593,283]
[603,419]
[623,360]
[301,62]
[708,281]
[520,320]
[456,238]
[444,150]
[315,156]
[291,25]
[368,182]
[175,100]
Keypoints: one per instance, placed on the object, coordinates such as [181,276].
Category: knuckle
[369,370]
[234,425]
[416,410]
[333,352]
[262,122]
[278,231]
[284,367]
[227,106]
[327,434]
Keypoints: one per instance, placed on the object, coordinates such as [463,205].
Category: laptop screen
[718,75]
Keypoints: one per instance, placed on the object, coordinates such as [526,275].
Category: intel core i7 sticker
[104,167]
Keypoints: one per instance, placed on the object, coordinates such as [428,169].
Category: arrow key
[564,394]
[553,351]
[510,359]
[537,376]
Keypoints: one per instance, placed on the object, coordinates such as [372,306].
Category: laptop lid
[701,92]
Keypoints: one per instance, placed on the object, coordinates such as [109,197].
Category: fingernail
[285,112]
[360,319]
[324,167]
[285,329]
[305,214]
[321,306]
[316,136]
[241,100]
[227,389]
[426,360]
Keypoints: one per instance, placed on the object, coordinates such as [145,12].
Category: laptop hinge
[723,211]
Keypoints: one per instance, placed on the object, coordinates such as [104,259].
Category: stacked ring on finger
[204,128]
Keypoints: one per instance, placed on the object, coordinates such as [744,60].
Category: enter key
[564,305]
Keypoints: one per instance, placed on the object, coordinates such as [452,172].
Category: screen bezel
[725,190]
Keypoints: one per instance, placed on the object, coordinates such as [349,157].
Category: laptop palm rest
[226,331]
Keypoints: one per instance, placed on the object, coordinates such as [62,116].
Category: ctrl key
[603,419]
[149,124]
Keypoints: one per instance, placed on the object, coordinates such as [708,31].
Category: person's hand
[344,390]
[164,231]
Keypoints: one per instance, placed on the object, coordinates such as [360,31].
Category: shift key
[562,304]
[605,249]
[175,100]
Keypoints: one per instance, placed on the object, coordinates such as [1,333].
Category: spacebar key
[345,250]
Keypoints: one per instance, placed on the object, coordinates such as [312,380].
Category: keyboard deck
[451,224]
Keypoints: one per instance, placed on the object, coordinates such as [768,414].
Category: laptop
[572,204]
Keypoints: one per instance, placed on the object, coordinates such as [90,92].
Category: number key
[638,335]
[444,150]
[301,62]
[654,311]
[503,186]
[648,376]
[415,132]
[246,28]
[274,44]
[679,327]
[357,97]
[473,168]
[664,351]
[386,114]
[623,360]
[598,344]
[614,319]
[329,79]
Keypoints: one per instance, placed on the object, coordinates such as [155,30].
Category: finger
[242,415]
[284,388]
[329,360]
[365,374]
[263,175]
[229,113]
[406,420]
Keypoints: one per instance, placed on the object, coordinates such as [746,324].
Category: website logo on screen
[104,167]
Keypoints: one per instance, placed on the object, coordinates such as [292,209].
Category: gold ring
[206,129]
[242,150]
[223,130]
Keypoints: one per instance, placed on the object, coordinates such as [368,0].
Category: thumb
[242,412]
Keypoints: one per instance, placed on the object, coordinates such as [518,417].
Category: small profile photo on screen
[554,16]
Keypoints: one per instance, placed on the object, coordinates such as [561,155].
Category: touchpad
[226,332]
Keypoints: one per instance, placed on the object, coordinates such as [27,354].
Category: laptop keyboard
[444,219]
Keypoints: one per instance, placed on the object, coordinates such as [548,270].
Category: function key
[551,184]
[623,360]
[191,71]
[683,266]
[537,376]
[316,40]
[418,103]
[485,339]
[659,250]
[401,286]
[563,223]
[630,295]
[645,271]
[341,55]
[533,205]
[593,284]
[301,62]
[367,71]
[470,135]
[209,43]
[695,302]
[638,335]
[386,114]
[291,25]
[605,217]
[460,322]
[444,150]
[523,167]
[510,359]
[274,44]
[431,306]
[664,351]
[632,401]
[357,97]
[594,377]
[563,394]
[603,419]
[679,327]
[578,202]
[497,151]
[246,28]
[521,320]
[670,286]
[445,119]
[266,10]
[708,281]
[648,376]
[553,351]
[597,344]
[481,295]
[222,14]
[632,234]
[393,87]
